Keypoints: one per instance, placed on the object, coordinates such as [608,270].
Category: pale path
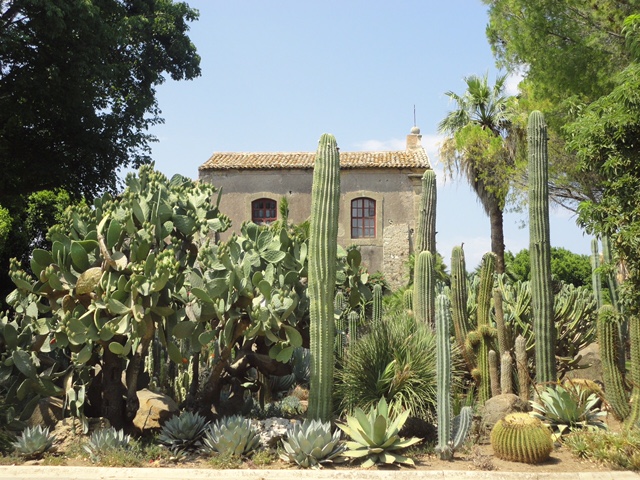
[106,473]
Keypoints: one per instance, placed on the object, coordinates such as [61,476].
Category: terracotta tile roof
[304,160]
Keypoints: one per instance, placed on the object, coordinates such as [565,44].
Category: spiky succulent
[564,410]
[106,439]
[311,443]
[183,432]
[375,436]
[233,436]
[34,442]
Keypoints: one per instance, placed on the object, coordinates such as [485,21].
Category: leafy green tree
[479,145]
[566,266]
[77,88]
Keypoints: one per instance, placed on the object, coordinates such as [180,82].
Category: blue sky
[277,74]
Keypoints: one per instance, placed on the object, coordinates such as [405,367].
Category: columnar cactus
[424,288]
[339,305]
[634,336]
[459,298]
[596,278]
[377,303]
[484,333]
[506,373]
[407,299]
[522,367]
[613,380]
[353,319]
[323,241]
[426,235]
[494,373]
[446,446]
[540,250]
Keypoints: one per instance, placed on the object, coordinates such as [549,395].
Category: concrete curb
[105,473]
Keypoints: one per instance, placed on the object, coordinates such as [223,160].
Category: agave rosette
[375,436]
[311,443]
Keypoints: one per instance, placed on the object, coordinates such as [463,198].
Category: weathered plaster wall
[397,199]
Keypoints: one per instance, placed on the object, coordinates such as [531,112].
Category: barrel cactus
[519,437]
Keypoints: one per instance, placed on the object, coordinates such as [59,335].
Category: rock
[48,412]
[593,365]
[271,430]
[497,407]
[155,409]
[69,430]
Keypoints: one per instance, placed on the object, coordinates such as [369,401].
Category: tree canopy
[566,266]
[77,88]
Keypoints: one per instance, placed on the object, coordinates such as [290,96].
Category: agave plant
[375,436]
[231,436]
[106,439]
[34,442]
[311,443]
[564,410]
[183,432]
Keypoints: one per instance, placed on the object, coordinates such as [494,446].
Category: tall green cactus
[376,315]
[353,319]
[540,250]
[596,278]
[459,299]
[485,333]
[426,234]
[613,379]
[446,446]
[633,420]
[323,241]
[424,289]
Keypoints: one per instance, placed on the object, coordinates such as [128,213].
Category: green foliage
[567,409]
[104,441]
[85,119]
[184,432]
[232,436]
[33,442]
[566,266]
[620,450]
[374,436]
[311,443]
[396,360]
[325,196]
[519,437]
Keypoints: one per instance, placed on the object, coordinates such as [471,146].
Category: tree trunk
[497,236]
[113,391]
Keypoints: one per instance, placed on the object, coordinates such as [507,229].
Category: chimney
[414,139]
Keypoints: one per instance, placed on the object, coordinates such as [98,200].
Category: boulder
[155,409]
[496,408]
[592,363]
[48,412]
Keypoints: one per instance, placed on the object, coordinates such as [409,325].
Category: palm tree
[479,146]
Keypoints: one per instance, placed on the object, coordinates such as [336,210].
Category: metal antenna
[414,114]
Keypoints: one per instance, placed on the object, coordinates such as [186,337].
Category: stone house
[380,196]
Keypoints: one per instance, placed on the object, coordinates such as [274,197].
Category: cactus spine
[426,235]
[323,241]
[424,287]
[613,381]
[540,250]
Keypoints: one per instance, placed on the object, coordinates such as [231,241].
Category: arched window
[363,218]
[264,211]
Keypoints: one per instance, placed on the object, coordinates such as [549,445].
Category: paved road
[96,473]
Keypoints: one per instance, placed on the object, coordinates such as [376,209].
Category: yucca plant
[233,436]
[184,432]
[34,442]
[311,443]
[565,410]
[375,436]
[104,440]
